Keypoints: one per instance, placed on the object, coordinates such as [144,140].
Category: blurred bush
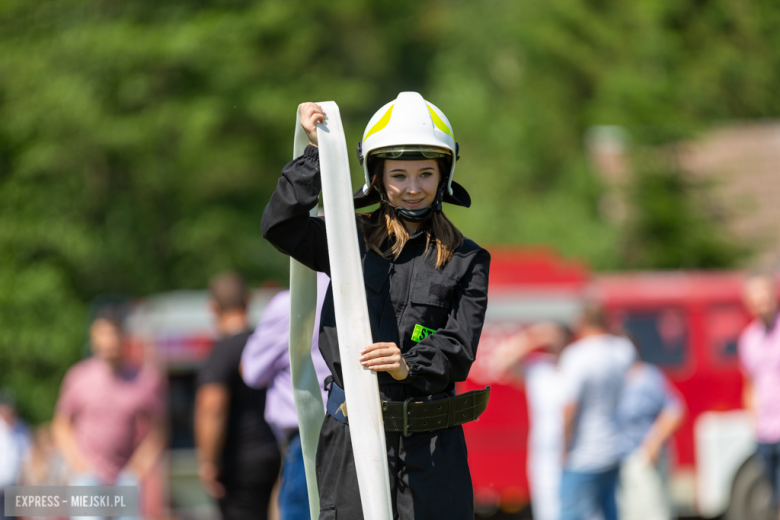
[670,225]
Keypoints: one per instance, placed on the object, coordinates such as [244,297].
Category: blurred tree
[670,226]
[140,141]
[523,81]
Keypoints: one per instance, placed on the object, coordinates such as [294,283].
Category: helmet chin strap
[417,215]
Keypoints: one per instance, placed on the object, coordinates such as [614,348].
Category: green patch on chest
[420,333]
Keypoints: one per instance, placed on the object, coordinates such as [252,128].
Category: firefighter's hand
[385,357]
[311,114]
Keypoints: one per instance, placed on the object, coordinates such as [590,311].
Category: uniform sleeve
[286,222]
[446,356]
[266,351]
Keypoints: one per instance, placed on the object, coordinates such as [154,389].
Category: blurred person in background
[108,422]
[593,369]
[649,412]
[265,363]
[531,357]
[43,465]
[238,459]
[759,355]
[14,441]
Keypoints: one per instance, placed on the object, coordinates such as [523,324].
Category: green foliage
[140,140]
[522,98]
[669,228]
[42,324]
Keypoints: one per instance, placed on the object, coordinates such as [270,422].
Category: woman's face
[411,184]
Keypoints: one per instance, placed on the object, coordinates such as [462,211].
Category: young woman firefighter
[426,289]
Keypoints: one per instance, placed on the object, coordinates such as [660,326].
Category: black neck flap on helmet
[459,196]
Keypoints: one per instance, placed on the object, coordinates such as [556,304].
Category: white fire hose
[354,332]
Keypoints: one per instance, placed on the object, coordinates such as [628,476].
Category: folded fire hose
[354,332]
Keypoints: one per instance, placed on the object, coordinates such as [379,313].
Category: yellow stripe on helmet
[441,125]
[381,124]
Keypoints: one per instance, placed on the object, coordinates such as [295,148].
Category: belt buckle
[406,417]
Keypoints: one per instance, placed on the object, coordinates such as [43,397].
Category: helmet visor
[410,152]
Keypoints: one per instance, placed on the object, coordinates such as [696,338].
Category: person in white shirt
[531,358]
[593,368]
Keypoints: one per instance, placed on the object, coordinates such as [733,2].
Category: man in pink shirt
[108,419]
[759,354]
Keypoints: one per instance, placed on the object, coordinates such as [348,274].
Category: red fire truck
[686,322]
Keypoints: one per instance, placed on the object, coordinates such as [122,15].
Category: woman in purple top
[265,362]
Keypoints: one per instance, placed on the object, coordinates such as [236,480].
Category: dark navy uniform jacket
[407,297]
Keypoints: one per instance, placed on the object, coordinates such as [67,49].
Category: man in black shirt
[238,458]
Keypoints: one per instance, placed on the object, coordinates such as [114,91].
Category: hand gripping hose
[354,332]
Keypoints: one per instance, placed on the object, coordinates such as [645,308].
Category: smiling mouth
[413,202]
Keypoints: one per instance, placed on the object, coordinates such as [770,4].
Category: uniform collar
[423,227]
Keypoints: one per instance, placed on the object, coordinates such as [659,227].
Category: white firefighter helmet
[410,127]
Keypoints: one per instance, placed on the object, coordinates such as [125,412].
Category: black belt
[412,416]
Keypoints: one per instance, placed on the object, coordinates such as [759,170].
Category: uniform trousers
[429,475]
